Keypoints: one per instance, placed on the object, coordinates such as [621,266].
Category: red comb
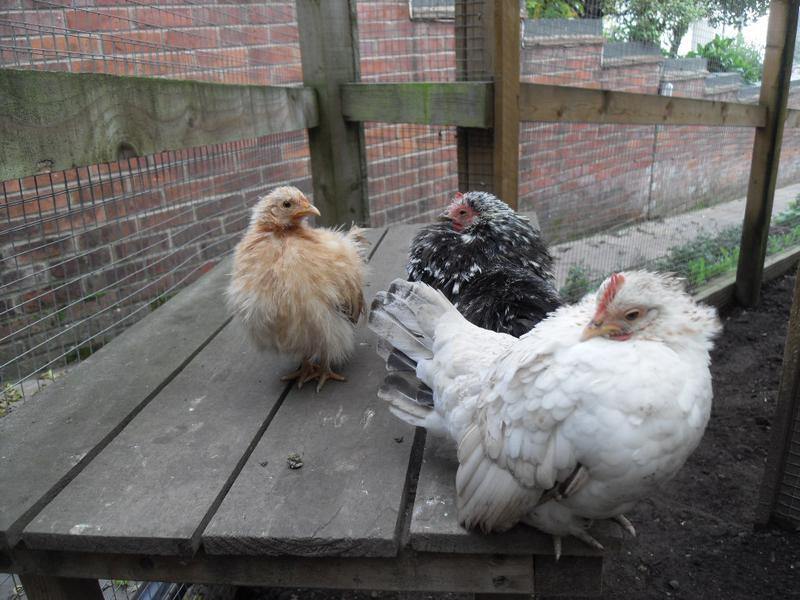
[458,196]
[611,290]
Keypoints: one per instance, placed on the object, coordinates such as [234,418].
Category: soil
[697,541]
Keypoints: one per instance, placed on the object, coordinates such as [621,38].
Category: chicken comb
[611,290]
[458,196]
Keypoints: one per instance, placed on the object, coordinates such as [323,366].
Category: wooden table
[164,457]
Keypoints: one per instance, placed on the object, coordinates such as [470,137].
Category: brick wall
[85,251]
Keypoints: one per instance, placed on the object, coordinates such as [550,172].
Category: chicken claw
[326,374]
[626,524]
[309,371]
[306,372]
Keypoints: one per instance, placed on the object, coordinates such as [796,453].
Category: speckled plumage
[616,389]
[508,298]
[466,265]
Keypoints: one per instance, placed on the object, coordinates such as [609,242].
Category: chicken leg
[309,371]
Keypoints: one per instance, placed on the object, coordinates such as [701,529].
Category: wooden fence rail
[54,121]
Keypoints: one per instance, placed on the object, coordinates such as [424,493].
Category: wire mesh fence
[411,169]
[88,251]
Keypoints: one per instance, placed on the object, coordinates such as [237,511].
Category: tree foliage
[732,55]
[565,9]
[652,21]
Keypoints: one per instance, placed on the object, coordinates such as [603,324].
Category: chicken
[508,298]
[296,289]
[592,410]
[478,242]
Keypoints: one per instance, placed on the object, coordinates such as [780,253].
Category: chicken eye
[632,315]
[286,204]
[462,212]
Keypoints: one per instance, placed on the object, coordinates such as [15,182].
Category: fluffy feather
[479,242]
[589,412]
[297,289]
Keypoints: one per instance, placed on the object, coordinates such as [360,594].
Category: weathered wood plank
[784,424]
[54,121]
[151,489]
[407,572]
[42,587]
[468,104]
[49,439]
[792,118]
[506,44]
[778,57]
[540,102]
[329,51]
[348,497]
[434,522]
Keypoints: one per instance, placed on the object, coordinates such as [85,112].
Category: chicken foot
[582,536]
[309,371]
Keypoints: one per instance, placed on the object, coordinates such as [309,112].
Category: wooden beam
[781,33]
[540,102]
[329,48]
[792,118]
[468,104]
[721,291]
[43,587]
[409,571]
[784,423]
[54,121]
[506,33]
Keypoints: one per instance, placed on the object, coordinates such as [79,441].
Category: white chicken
[583,416]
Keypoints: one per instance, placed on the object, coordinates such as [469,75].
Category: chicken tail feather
[410,402]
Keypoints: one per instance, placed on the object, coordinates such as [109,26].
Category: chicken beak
[445,216]
[307,210]
[598,329]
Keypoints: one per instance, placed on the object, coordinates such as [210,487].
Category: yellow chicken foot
[626,524]
[325,374]
[306,371]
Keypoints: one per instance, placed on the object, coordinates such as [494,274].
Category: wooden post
[784,421]
[330,57]
[781,34]
[487,48]
[42,587]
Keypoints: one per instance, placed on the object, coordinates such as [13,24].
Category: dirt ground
[697,540]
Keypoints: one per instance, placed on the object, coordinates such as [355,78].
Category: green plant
[732,55]
[564,9]
[549,9]
[10,395]
[577,284]
[160,300]
[710,255]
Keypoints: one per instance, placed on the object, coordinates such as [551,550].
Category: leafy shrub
[578,284]
[732,55]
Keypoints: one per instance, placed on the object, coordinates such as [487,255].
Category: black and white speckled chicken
[489,261]
[508,298]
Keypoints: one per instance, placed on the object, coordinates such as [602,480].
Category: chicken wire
[88,251]
[411,169]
